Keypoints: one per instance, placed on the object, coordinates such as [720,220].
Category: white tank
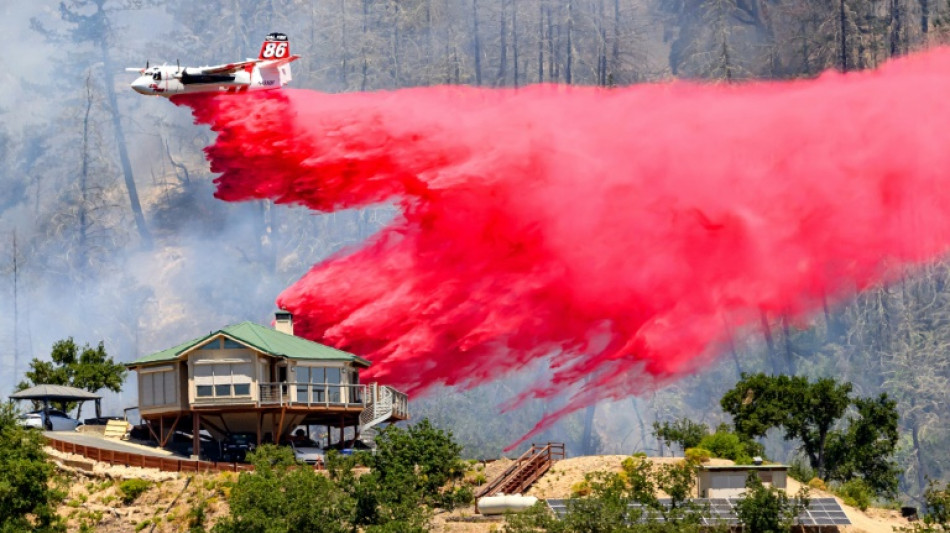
[505,503]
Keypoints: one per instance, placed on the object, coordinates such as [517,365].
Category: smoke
[620,233]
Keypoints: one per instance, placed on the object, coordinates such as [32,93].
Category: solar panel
[722,511]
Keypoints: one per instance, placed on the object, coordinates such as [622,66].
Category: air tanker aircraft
[271,70]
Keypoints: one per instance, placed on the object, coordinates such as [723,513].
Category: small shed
[729,481]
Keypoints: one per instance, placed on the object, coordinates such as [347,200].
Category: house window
[220,379]
[317,384]
[158,386]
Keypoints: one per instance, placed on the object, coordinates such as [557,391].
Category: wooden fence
[165,464]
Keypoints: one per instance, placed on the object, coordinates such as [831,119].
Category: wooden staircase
[525,470]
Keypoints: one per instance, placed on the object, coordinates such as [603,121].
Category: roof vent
[284,322]
[755,460]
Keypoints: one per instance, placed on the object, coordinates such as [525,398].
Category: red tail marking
[275,50]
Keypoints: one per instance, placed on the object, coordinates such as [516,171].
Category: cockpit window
[157,76]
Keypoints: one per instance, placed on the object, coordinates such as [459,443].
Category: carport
[58,393]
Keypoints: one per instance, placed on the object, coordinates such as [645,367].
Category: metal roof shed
[58,393]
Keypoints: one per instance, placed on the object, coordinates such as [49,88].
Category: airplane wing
[224,69]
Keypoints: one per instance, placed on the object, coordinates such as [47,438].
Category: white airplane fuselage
[170,81]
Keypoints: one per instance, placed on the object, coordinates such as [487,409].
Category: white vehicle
[50,420]
[271,70]
[307,451]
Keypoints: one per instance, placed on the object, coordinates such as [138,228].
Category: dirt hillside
[169,502]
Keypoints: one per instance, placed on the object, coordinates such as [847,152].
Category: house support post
[342,429]
[260,421]
[195,439]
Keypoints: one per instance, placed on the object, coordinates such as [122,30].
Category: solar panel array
[722,511]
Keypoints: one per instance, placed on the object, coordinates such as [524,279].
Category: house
[248,378]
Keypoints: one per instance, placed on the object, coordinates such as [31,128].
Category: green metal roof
[262,339]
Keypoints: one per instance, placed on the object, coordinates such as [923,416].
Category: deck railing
[311,395]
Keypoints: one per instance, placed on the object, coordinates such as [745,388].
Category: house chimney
[284,322]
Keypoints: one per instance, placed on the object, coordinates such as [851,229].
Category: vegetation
[131,489]
[26,498]
[767,509]
[683,431]
[72,222]
[809,412]
[414,470]
[88,368]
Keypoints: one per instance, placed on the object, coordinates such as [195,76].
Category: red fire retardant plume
[620,233]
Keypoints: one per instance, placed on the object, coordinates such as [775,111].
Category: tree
[806,411]
[767,509]
[412,469]
[91,369]
[26,498]
[864,451]
[682,431]
[281,496]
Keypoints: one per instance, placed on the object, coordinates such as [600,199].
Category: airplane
[271,70]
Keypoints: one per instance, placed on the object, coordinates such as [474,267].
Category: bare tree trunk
[363,50]
[615,68]
[109,83]
[514,40]
[477,42]
[569,64]
[503,39]
[395,70]
[769,343]
[924,18]
[587,446]
[429,51]
[919,457]
[84,179]
[789,352]
[16,312]
[343,65]
[541,41]
[602,46]
[896,33]
[842,38]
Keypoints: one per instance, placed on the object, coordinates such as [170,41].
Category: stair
[379,409]
[527,469]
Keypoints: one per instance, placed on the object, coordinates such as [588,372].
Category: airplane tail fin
[276,53]
[276,46]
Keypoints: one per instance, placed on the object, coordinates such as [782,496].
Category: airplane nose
[141,86]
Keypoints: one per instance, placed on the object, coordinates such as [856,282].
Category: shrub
[728,445]
[698,455]
[856,493]
[25,475]
[581,488]
[131,489]
[817,484]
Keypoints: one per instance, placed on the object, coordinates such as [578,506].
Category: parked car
[234,447]
[350,447]
[307,451]
[50,420]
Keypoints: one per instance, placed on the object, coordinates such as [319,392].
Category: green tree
[767,509]
[282,496]
[26,498]
[806,411]
[865,449]
[90,369]
[727,444]
[682,431]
